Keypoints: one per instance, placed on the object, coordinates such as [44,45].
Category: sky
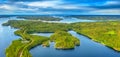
[59,7]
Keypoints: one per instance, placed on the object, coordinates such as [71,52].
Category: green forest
[64,40]
[107,33]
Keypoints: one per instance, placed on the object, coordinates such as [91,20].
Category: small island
[64,40]
[42,18]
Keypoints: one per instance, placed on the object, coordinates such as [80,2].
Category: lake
[87,48]
[6,36]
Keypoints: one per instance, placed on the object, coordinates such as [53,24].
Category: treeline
[44,18]
[98,17]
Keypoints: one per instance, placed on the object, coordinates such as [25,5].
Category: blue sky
[65,7]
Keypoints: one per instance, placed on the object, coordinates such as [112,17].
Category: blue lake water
[6,36]
[87,48]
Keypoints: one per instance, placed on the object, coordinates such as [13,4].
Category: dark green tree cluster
[64,40]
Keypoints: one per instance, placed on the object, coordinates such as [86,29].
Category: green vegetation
[14,49]
[30,41]
[22,46]
[107,33]
[43,18]
[46,44]
[97,17]
[64,40]
[38,26]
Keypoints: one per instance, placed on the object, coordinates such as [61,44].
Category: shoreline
[99,42]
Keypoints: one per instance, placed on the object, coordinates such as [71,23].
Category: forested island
[105,32]
[42,18]
[64,40]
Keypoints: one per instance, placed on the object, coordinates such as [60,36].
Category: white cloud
[55,5]
[48,12]
[112,3]
[37,7]
[51,4]
[15,8]
[106,11]
[43,4]
[6,7]
[27,9]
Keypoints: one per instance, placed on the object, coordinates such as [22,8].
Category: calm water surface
[87,48]
[6,36]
